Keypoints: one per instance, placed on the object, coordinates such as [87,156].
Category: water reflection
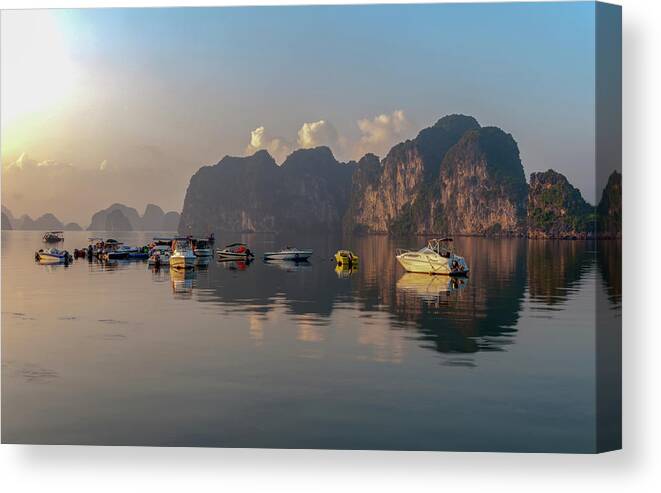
[430,288]
[291,357]
[182,283]
[555,268]
[447,315]
[289,265]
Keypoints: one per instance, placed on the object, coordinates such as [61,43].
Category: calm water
[303,356]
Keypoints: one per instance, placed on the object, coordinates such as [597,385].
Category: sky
[124,105]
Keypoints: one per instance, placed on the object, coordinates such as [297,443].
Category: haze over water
[303,356]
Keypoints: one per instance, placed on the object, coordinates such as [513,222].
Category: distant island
[117,217]
[454,178]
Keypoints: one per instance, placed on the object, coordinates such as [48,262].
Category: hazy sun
[37,72]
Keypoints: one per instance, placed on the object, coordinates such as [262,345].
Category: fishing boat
[437,257]
[289,253]
[53,237]
[202,247]
[53,256]
[182,256]
[234,251]
[346,257]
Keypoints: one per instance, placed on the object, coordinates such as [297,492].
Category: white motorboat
[53,256]
[202,247]
[182,256]
[289,253]
[436,258]
[234,251]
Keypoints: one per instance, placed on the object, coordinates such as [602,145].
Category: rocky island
[454,178]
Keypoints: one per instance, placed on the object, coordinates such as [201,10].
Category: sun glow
[37,71]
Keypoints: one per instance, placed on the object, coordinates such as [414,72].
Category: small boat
[53,256]
[289,253]
[436,258]
[182,256]
[118,252]
[202,247]
[234,251]
[159,255]
[346,257]
[53,237]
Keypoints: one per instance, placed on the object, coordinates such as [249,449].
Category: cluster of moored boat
[437,257]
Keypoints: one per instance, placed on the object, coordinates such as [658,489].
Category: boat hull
[427,264]
[203,252]
[298,256]
[231,255]
[45,258]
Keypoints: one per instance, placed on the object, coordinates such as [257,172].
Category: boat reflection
[232,264]
[290,265]
[345,271]
[182,283]
[429,287]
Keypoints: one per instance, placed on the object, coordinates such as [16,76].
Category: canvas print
[388,227]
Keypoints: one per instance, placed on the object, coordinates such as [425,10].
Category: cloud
[73,192]
[277,147]
[320,133]
[108,167]
[380,133]
[24,164]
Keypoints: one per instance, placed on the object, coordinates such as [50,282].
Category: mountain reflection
[463,315]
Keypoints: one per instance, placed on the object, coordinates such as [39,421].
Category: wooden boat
[436,258]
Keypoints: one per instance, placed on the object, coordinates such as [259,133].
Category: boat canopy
[235,244]
[54,232]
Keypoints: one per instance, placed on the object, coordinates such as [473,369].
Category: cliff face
[454,177]
[99,219]
[153,219]
[399,195]
[310,191]
[6,222]
[556,209]
[482,185]
[117,221]
[609,210]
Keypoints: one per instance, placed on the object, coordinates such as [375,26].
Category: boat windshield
[181,245]
[442,246]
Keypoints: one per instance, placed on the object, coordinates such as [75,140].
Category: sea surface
[304,356]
